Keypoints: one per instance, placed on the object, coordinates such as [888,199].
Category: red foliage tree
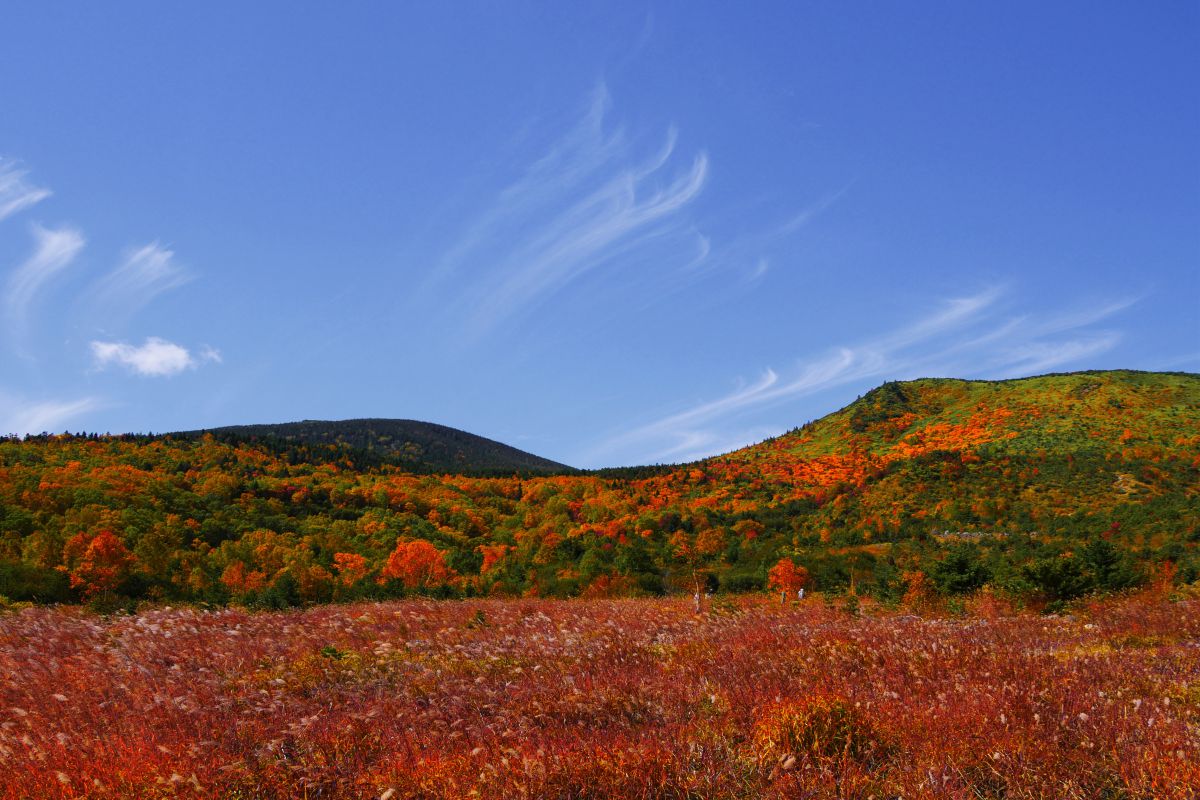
[418,565]
[492,555]
[97,565]
[241,581]
[787,578]
[351,567]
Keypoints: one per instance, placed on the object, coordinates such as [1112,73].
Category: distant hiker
[800,593]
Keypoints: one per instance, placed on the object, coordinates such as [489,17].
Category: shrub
[817,727]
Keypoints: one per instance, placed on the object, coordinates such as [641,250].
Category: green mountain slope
[1080,412]
[1029,483]
[1010,455]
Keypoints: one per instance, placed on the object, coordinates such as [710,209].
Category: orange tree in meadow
[696,552]
[97,564]
[787,578]
[418,565]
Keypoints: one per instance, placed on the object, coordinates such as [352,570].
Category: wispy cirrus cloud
[964,337]
[804,217]
[153,358]
[43,287]
[603,215]
[588,203]
[54,250]
[16,193]
[23,417]
[143,274]
[1175,362]
[1034,357]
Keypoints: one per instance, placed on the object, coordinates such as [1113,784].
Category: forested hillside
[412,445]
[1049,488]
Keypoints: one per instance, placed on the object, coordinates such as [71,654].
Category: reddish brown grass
[592,699]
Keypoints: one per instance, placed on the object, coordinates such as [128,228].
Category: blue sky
[607,233]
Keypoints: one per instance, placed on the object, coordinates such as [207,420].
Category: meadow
[637,698]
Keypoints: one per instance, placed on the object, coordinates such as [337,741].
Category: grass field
[591,699]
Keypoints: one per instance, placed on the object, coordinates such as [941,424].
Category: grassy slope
[1055,443]
[1081,412]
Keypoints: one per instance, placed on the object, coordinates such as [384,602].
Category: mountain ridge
[414,444]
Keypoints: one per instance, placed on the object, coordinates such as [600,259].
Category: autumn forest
[1043,489]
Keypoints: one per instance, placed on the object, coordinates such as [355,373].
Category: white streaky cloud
[695,445]
[965,337]
[54,251]
[47,416]
[596,202]
[1033,358]
[742,396]
[687,442]
[760,248]
[1082,317]
[144,273]
[878,357]
[588,203]
[154,358]
[17,194]
[807,215]
[683,431]
[1026,345]
[584,150]
[703,251]
[582,239]
[956,312]
[1172,363]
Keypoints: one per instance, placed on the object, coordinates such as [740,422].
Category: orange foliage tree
[97,565]
[919,593]
[697,552]
[351,567]
[418,565]
[786,577]
[749,529]
[492,555]
[241,581]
